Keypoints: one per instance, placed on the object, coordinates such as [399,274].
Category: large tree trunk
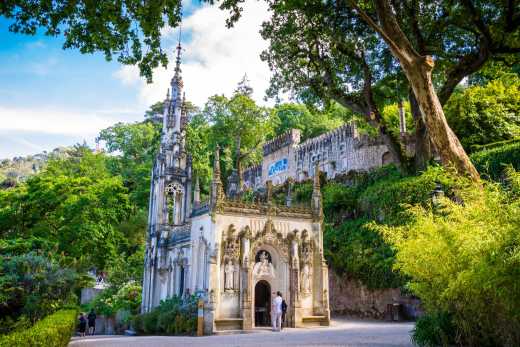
[446,143]
[423,150]
[418,69]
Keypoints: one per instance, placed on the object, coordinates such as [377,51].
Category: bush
[491,162]
[434,329]
[32,286]
[173,316]
[53,331]
[464,259]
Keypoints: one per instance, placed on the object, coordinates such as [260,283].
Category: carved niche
[230,245]
[270,236]
[306,264]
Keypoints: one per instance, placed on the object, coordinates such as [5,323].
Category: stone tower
[170,199]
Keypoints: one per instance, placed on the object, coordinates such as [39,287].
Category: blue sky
[51,97]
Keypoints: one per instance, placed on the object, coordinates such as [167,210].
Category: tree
[297,116]
[137,145]
[239,126]
[32,286]
[129,29]
[74,206]
[444,31]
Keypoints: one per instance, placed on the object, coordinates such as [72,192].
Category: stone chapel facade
[233,254]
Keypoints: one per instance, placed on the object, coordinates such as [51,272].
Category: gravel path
[342,332]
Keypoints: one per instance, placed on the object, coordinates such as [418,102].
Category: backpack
[284,306]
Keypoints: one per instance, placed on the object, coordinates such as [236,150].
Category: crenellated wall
[336,152]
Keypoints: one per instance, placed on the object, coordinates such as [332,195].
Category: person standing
[82,325]
[91,322]
[277,321]
[284,312]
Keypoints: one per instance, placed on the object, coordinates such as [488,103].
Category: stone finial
[316,186]
[269,186]
[216,163]
[196,193]
[317,205]
[288,199]
[217,192]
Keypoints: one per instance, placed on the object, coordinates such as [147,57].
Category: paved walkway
[342,332]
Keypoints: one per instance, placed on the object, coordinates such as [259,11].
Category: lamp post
[437,195]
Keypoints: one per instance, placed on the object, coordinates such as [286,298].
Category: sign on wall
[277,167]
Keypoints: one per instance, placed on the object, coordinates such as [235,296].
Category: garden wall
[350,297]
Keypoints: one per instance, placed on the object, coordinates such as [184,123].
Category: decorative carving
[231,245]
[264,267]
[306,279]
[229,270]
[269,236]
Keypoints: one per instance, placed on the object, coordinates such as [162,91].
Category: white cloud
[214,60]
[55,121]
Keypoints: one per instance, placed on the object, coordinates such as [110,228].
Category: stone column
[245,285]
[295,315]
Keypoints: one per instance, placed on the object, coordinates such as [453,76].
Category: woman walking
[82,325]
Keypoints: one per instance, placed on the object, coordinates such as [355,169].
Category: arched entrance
[262,304]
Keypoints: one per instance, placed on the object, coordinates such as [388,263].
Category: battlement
[290,137]
[336,152]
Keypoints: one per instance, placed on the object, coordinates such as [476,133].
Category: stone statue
[229,270]
[263,267]
[306,279]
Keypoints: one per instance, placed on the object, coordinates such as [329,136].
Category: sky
[51,97]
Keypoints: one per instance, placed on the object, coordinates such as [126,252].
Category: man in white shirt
[277,314]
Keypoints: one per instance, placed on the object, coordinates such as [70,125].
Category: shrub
[33,286]
[434,329]
[491,162]
[52,331]
[173,316]
[464,259]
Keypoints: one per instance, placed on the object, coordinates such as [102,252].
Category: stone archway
[262,300]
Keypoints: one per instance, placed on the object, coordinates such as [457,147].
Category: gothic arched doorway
[262,304]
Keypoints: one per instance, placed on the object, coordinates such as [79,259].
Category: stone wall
[336,152]
[351,297]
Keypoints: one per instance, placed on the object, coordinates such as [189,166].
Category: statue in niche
[306,279]
[263,267]
[229,270]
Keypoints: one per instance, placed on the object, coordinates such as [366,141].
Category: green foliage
[122,297]
[384,199]
[486,114]
[31,287]
[173,316]
[356,250]
[75,205]
[297,116]
[136,146]
[463,259]
[434,329]
[54,330]
[491,162]
[130,29]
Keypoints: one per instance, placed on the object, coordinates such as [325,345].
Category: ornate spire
[177,78]
[217,192]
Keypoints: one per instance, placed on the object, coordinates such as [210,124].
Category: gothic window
[181,281]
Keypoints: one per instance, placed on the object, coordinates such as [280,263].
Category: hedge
[491,162]
[54,330]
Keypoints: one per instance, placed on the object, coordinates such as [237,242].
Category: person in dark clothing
[284,312]
[91,322]
[82,325]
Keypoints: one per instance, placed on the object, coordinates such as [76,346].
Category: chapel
[235,255]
